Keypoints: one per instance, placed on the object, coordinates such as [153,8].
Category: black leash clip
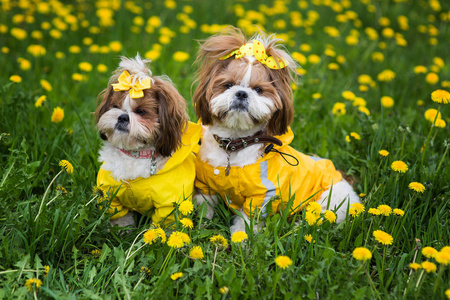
[270,148]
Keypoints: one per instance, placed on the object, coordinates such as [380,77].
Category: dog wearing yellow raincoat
[245,103]
[148,161]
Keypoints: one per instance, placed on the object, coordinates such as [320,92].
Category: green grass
[70,227]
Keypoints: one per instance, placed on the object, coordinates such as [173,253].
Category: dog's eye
[227,85]
[140,111]
[258,90]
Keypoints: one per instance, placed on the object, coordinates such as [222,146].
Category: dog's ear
[283,116]
[172,117]
[208,57]
[105,99]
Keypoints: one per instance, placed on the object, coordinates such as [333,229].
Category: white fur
[137,67]
[125,167]
[340,193]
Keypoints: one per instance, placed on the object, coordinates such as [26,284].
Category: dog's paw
[211,202]
[125,221]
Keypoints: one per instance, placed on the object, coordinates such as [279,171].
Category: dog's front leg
[342,195]
[211,202]
[239,223]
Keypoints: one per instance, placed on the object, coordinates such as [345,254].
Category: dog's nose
[241,95]
[124,118]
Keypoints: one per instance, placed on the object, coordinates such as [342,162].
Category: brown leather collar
[231,145]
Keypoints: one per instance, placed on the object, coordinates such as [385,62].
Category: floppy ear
[106,96]
[172,117]
[208,57]
[282,118]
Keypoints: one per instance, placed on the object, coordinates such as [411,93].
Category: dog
[147,155]
[245,102]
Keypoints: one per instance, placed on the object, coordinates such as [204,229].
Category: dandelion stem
[95,197]
[53,199]
[166,261]
[242,259]
[45,195]
[419,283]
[214,265]
[438,278]
[425,146]
[410,272]
[131,247]
[372,284]
[442,160]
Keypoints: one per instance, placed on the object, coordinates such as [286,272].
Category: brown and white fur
[267,106]
[154,122]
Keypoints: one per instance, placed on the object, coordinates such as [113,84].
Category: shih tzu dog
[245,103]
[147,156]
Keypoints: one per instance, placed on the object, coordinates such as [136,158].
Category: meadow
[373,97]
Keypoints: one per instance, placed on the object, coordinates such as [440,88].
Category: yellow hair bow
[257,50]
[136,87]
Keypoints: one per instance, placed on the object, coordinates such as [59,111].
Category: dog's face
[241,94]
[155,120]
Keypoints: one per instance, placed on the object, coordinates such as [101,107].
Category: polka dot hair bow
[257,50]
[128,82]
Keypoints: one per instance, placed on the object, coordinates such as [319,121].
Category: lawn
[372,96]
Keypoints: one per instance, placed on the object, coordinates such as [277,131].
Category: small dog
[148,142]
[245,103]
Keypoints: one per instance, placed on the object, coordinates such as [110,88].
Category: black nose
[241,95]
[124,118]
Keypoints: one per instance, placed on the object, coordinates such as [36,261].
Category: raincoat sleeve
[111,187]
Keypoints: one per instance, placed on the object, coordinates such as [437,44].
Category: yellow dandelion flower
[239,237]
[196,252]
[374,211]
[176,240]
[387,101]
[180,56]
[314,208]
[338,109]
[446,249]
[311,218]
[348,95]
[317,96]
[66,166]
[150,236]
[330,216]
[362,253]
[36,50]
[383,153]
[40,100]
[356,209]
[420,69]
[362,195]
[46,85]
[399,166]
[432,78]
[15,78]
[430,115]
[46,270]
[96,253]
[186,207]
[442,257]
[417,187]
[57,115]
[61,190]
[386,75]
[415,266]
[219,240]
[429,266]
[440,123]
[309,238]
[314,59]
[146,271]
[115,46]
[354,135]
[102,68]
[283,261]
[85,66]
[398,212]
[364,110]
[383,237]
[33,284]
[25,64]
[440,96]
[224,290]
[175,276]
[429,252]
[385,210]
[187,223]
[447,293]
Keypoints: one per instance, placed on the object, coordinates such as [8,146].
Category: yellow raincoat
[271,177]
[173,183]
